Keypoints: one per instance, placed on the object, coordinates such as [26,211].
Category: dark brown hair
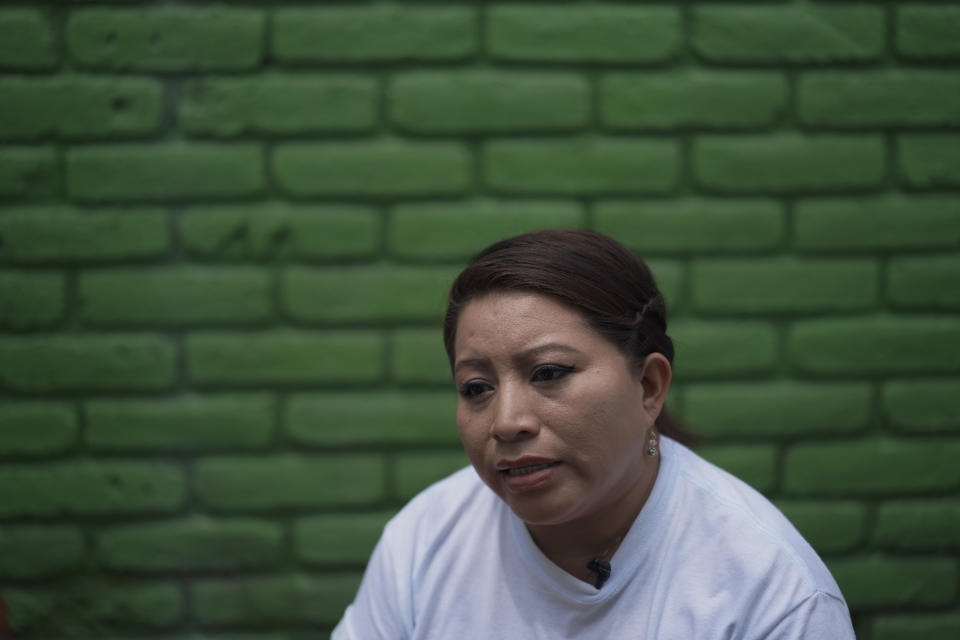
[608,284]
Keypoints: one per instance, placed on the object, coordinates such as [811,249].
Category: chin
[542,510]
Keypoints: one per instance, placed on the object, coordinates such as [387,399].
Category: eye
[474,389]
[550,373]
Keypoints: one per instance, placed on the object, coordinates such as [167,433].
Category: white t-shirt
[707,558]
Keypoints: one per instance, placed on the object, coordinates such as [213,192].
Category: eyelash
[546,373]
[471,390]
[556,371]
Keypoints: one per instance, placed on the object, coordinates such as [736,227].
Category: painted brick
[389,406]
[829,527]
[99,107]
[283,357]
[30,607]
[288,482]
[775,410]
[670,101]
[600,33]
[274,600]
[166,40]
[858,99]
[175,296]
[798,34]
[871,467]
[30,300]
[692,224]
[922,405]
[581,166]
[876,582]
[673,406]
[118,362]
[277,104]
[191,544]
[181,423]
[30,173]
[929,160]
[419,358]
[373,34]
[789,162]
[88,488]
[916,626]
[277,231]
[929,525]
[900,223]
[37,428]
[928,32]
[670,279]
[755,464]
[366,418]
[340,538]
[457,231]
[415,471]
[167,172]
[36,235]
[731,349]
[924,282]
[26,41]
[784,285]
[36,552]
[374,169]
[390,293]
[237,636]
[81,607]
[488,101]
[875,345]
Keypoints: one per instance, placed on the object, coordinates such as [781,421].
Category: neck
[572,545]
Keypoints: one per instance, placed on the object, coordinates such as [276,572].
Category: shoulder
[749,532]
[731,551]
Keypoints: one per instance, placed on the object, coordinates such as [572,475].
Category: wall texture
[226,231]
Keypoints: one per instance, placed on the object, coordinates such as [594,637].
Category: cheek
[599,423]
[475,439]
[471,432]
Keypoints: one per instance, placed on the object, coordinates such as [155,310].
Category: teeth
[522,471]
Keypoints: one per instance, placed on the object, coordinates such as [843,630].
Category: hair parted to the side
[603,280]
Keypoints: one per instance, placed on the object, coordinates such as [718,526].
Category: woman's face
[552,415]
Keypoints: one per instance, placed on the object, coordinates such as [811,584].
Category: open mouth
[523,471]
[529,477]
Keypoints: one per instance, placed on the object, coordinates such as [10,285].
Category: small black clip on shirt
[602,569]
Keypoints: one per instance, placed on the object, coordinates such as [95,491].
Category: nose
[514,418]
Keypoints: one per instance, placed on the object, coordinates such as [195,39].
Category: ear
[655,379]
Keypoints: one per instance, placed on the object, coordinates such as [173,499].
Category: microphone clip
[602,569]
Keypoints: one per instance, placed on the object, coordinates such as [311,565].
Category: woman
[582,515]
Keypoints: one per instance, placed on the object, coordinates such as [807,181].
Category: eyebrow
[523,355]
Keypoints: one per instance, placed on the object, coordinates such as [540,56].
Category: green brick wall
[227,229]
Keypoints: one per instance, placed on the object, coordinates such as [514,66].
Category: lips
[522,471]
[527,473]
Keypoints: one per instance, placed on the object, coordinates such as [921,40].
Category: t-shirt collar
[628,561]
